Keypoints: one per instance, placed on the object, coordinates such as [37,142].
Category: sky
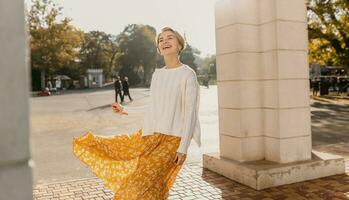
[195,18]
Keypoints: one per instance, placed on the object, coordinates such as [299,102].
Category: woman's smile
[166,47]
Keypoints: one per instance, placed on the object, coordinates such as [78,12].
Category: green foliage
[188,56]
[207,65]
[138,50]
[57,47]
[53,42]
[98,51]
[328,24]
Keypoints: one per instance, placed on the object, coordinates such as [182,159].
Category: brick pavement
[195,182]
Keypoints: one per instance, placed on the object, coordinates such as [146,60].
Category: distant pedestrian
[324,86]
[315,85]
[58,85]
[118,89]
[208,80]
[125,88]
[49,85]
[342,85]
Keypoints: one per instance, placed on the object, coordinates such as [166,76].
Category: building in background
[95,78]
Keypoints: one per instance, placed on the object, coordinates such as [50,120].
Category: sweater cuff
[183,147]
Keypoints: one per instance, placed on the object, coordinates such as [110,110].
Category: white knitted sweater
[174,105]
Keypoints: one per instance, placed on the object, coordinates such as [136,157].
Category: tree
[99,50]
[328,24]
[188,56]
[320,52]
[138,50]
[53,42]
[208,65]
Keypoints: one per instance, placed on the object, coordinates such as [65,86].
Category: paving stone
[197,183]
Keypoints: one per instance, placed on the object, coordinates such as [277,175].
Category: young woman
[144,165]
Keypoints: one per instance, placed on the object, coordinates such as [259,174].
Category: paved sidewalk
[62,176]
[332,99]
[197,183]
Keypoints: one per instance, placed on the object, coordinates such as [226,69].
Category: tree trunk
[43,75]
[145,72]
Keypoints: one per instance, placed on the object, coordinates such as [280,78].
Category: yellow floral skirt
[133,166]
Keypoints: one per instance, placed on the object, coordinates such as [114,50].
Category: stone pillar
[15,173]
[263,94]
[239,77]
[285,81]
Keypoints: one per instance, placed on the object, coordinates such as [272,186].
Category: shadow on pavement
[330,123]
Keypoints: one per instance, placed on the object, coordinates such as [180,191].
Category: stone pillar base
[265,174]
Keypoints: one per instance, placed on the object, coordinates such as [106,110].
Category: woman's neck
[172,61]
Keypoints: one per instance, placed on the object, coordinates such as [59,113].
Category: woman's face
[168,44]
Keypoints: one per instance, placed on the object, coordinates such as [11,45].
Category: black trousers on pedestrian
[127,92]
[118,92]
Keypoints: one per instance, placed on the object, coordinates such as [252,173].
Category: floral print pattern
[133,166]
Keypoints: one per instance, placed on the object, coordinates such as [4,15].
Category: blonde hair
[179,37]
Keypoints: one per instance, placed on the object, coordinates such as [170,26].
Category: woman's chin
[169,53]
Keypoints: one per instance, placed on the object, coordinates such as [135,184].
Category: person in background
[315,85]
[49,85]
[118,89]
[58,85]
[206,81]
[125,88]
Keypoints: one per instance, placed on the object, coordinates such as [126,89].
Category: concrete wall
[15,173]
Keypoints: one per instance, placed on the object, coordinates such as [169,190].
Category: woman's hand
[117,108]
[180,158]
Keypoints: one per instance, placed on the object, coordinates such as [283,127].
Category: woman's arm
[148,115]
[192,90]
[122,110]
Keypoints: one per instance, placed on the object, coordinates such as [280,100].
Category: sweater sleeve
[190,102]
[148,116]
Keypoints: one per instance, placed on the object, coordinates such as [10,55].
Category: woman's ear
[179,49]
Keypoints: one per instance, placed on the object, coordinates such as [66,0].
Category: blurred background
[69,40]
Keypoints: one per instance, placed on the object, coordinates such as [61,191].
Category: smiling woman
[144,165]
[173,39]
